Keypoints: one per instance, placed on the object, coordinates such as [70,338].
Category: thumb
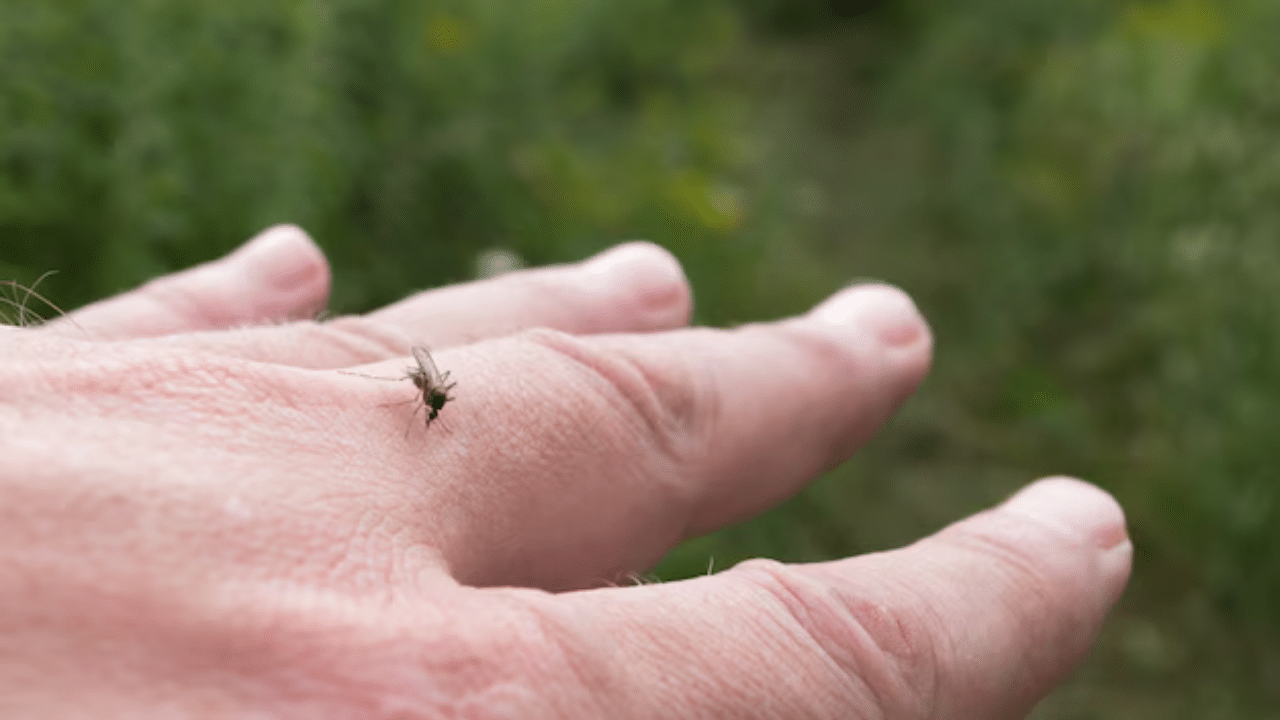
[978,621]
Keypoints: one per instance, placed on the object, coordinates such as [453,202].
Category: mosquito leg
[368,377]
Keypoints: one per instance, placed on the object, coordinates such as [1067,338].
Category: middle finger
[571,461]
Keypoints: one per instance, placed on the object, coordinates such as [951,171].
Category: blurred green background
[1083,196]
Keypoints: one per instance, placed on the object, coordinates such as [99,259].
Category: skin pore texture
[208,513]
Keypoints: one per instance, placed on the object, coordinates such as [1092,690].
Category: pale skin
[203,517]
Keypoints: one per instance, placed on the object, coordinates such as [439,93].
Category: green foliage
[405,135]
[1082,198]
[1081,194]
[1119,175]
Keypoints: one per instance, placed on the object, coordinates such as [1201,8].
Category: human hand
[206,516]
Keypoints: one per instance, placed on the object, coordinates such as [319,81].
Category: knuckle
[881,651]
[668,399]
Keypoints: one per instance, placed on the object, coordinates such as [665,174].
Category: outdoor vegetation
[1082,195]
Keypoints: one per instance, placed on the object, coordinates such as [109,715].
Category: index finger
[978,622]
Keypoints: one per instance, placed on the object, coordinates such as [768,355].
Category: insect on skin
[433,384]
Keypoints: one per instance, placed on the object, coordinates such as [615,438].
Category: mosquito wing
[427,364]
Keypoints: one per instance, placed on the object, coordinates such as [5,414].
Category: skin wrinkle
[679,395]
[382,560]
[802,415]
[868,678]
[581,660]
[902,621]
[639,407]
[637,659]
[611,379]
[356,564]
[783,638]
[622,383]
[901,653]
[814,686]
[931,641]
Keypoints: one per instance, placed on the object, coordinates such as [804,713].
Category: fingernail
[881,310]
[643,270]
[1076,507]
[280,257]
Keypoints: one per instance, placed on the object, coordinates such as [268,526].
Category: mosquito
[433,385]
